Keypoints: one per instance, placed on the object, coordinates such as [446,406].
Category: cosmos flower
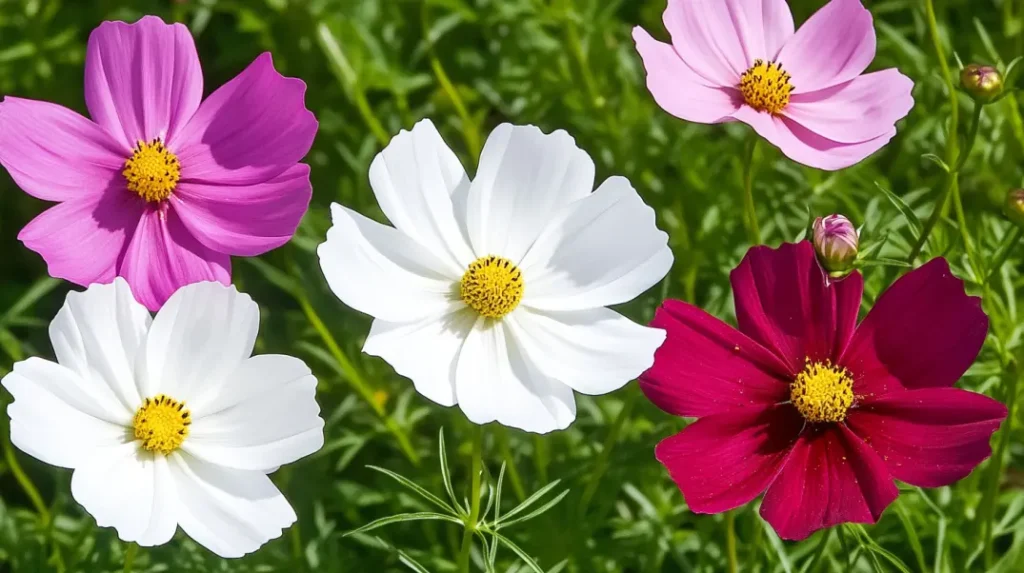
[820,412]
[168,421]
[804,91]
[491,293]
[159,188]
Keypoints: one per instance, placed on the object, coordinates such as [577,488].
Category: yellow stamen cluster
[152,171]
[161,424]
[765,86]
[492,286]
[822,392]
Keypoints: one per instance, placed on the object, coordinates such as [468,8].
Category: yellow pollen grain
[765,86]
[161,424]
[822,392]
[492,286]
[152,171]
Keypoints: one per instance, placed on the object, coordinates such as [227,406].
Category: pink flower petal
[720,39]
[82,240]
[723,461]
[678,89]
[707,367]
[142,80]
[924,331]
[831,477]
[163,257]
[53,153]
[931,437]
[864,108]
[250,130]
[804,146]
[833,46]
[245,220]
[784,303]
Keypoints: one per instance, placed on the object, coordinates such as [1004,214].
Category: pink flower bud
[983,83]
[835,241]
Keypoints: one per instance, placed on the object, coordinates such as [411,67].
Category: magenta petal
[163,257]
[245,220]
[924,331]
[678,89]
[864,108]
[706,367]
[784,302]
[931,437]
[250,130]
[831,477]
[725,460]
[142,80]
[82,240]
[53,153]
[833,46]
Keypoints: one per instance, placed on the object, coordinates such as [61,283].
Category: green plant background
[374,67]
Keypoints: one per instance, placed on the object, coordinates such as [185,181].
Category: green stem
[601,465]
[24,481]
[730,540]
[1003,252]
[474,501]
[469,128]
[965,234]
[972,135]
[129,556]
[988,503]
[501,436]
[749,211]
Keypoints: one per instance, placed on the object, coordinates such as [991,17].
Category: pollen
[822,392]
[161,424]
[152,171]
[492,286]
[765,86]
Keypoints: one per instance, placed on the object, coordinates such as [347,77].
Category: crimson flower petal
[707,367]
[930,437]
[722,461]
[923,332]
[784,303]
[831,477]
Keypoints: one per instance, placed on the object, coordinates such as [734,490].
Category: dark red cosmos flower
[820,412]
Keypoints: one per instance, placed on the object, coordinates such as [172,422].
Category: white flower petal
[54,418]
[230,512]
[129,489]
[264,416]
[602,250]
[203,332]
[413,179]
[425,351]
[524,177]
[377,270]
[97,333]
[593,351]
[494,382]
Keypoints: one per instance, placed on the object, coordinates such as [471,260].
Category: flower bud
[1014,207]
[983,83]
[835,241]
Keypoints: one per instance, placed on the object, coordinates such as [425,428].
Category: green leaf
[418,489]
[536,512]
[446,474]
[519,552]
[402,517]
[936,160]
[908,213]
[532,500]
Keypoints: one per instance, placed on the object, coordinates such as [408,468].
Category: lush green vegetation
[376,66]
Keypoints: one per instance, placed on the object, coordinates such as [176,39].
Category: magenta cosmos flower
[159,188]
[804,403]
[803,91]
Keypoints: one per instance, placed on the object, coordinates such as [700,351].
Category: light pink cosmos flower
[740,60]
[159,188]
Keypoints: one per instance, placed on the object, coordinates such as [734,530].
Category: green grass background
[376,66]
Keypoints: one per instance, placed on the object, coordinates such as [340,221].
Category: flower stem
[601,465]
[474,500]
[129,556]
[730,540]
[988,504]
[749,211]
[1003,253]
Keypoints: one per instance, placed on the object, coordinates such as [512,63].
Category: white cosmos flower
[491,293]
[168,421]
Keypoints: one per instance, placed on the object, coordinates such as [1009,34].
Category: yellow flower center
[492,286]
[765,86]
[161,424]
[822,392]
[152,171]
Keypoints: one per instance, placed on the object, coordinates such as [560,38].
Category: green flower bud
[1014,207]
[835,242]
[983,83]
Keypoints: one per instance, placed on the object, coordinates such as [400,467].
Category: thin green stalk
[129,556]
[730,540]
[749,211]
[474,501]
[470,131]
[24,481]
[965,233]
[501,437]
[601,465]
[1003,252]
[988,504]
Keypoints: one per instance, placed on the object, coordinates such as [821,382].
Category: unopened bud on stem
[835,241]
[983,83]
[1014,207]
